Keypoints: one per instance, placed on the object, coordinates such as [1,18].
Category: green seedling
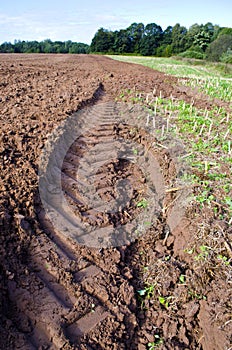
[204,253]
[224,259]
[135,152]
[189,251]
[164,301]
[142,204]
[142,292]
[147,223]
[197,296]
[228,201]
[157,341]
[167,258]
[182,279]
[147,292]
[205,197]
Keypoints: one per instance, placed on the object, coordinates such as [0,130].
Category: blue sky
[79,20]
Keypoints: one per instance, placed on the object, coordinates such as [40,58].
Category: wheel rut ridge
[90,282]
[66,305]
[71,298]
[97,147]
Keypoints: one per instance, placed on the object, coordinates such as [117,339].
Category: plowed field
[57,293]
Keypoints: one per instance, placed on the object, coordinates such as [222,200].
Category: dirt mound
[56,293]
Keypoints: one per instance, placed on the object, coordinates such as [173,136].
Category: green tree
[122,42]
[45,46]
[218,47]
[165,47]
[194,30]
[135,34]
[152,38]
[79,48]
[209,28]
[167,36]
[225,31]
[179,38]
[202,39]
[226,57]
[103,41]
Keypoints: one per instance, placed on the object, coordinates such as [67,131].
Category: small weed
[142,204]
[205,197]
[182,279]
[167,258]
[147,223]
[164,301]
[204,253]
[189,251]
[195,295]
[147,292]
[224,259]
[228,201]
[157,341]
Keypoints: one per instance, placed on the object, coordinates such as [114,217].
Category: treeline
[199,41]
[45,46]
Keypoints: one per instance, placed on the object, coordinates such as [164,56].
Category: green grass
[180,67]
[207,138]
[218,87]
[207,77]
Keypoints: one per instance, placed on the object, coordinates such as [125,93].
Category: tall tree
[102,41]
[179,38]
[192,32]
[152,38]
[202,39]
[122,42]
[135,34]
[167,36]
[219,47]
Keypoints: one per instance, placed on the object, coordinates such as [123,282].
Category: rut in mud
[57,293]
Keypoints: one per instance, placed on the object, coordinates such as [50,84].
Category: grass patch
[188,68]
[209,78]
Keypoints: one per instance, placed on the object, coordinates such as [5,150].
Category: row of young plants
[207,138]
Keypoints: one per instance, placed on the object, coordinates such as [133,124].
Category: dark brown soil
[57,294]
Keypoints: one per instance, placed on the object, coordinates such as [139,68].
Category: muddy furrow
[75,283]
[70,291]
[65,299]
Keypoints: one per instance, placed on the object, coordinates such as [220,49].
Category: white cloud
[31,26]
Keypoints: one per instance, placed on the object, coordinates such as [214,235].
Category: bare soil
[57,294]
